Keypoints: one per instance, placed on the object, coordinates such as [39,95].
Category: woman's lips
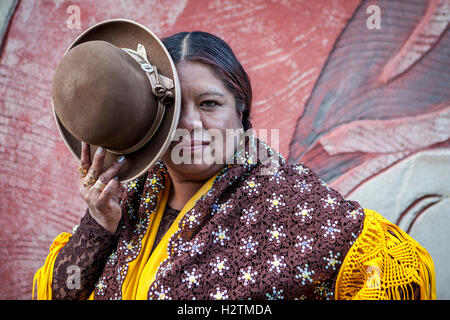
[197,147]
[194,145]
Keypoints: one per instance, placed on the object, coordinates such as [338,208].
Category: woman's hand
[100,189]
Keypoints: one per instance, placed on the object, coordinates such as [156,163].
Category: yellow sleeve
[385,263]
[43,277]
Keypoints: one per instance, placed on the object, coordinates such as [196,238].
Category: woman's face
[208,111]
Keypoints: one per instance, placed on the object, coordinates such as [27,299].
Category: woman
[226,229]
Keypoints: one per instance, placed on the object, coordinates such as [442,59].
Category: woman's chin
[197,171]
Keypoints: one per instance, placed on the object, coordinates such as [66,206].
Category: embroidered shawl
[257,233]
[258,229]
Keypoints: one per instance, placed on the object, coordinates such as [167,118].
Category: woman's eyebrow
[211,93]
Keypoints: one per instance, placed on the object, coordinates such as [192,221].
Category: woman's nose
[190,118]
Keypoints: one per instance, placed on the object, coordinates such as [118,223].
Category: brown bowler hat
[117,87]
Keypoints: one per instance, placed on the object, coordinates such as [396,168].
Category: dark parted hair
[211,50]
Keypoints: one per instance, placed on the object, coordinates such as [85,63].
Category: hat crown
[110,100]
[102,96]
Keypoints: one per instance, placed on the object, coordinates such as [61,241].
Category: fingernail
[117,178]
[82,144]
[99,150]
[121,159]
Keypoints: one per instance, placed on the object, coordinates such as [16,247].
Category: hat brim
[125,33]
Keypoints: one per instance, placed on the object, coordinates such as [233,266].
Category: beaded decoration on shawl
[260,232]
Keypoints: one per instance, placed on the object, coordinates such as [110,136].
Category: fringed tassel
[391,263]
[427,275]
[42,280]
[424,277]
[403,292]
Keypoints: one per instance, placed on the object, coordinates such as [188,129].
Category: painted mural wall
[357,90]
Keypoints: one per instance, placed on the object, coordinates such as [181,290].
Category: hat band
[160,86]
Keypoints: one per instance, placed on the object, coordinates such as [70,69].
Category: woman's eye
[209,103]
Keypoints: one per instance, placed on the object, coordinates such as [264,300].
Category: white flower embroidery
[249,216]
[192,278]
[275,294]
[219,294]
[193,247]
[275,202]
[276,264]
[224,207]
[129,249]
[330,202]
[132,185]
[304,244]
[332,260]
[154,183]
[161,292]
[353,214]
[101,286]
[149,199]
[277,176]
[249,246]
[219,265]
[302,186]
[196,247]
[305,275]
[220,236]
[248,276]
[304,212]
[251,187]
[193,219]
[276,233]
[249,161]
[330,230]
[323,289]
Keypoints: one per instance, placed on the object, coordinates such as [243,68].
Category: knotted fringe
[44,276]
[385,263]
